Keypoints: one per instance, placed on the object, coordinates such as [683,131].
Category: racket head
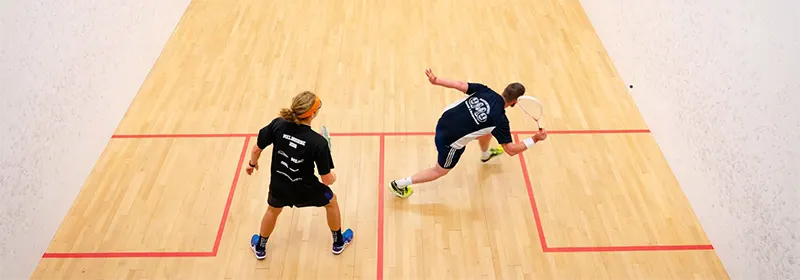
[532,107]
[327,135]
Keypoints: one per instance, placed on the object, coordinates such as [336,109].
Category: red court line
[586,131]
[381,198]
[408,133]
[547,249]
[217,240]
[531,198]
[629,248]
[381,192]
[228,203]
[206,135]
[107,255]
[402,133]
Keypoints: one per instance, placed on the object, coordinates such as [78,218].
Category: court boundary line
[381,202]
[173,254]
[574,249]
[381,205]
[376,134]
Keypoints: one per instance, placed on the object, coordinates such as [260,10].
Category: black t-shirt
[297,148]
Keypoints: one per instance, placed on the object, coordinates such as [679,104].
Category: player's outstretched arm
[459,85]
[513,149]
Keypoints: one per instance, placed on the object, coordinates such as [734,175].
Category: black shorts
[283,193]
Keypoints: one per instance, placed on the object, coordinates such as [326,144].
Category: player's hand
[540,135]
[250,169]
[431,76]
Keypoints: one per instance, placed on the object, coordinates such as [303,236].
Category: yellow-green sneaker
[400,192]
[493,152]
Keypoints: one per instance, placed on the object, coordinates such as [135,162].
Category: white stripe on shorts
[449,158]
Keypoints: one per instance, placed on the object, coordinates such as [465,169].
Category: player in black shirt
[296,150]
[480,115]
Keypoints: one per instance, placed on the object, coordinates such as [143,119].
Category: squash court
[169,198]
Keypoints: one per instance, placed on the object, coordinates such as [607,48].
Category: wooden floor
[168,198]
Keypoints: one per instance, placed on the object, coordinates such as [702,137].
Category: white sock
[486,154]
[402,183]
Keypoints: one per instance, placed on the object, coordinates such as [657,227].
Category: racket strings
[531,108]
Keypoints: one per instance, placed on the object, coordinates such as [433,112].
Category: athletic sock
[262,243]
[485,155]
[402,183]
[337,237]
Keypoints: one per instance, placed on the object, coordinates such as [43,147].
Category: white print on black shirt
[294,140]
[287,166]
[293,159]
[478,108]
[287,176]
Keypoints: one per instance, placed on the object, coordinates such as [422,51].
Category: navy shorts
[448,156]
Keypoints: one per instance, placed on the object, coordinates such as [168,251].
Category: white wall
[68,72]
[718,83]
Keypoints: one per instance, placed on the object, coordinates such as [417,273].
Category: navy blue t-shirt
[480,113]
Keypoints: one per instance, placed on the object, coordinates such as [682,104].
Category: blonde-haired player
[296,149]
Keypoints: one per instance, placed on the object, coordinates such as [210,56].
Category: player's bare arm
[325,164]
[513,149]
[459,85]
[254,155]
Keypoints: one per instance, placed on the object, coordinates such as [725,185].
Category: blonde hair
[301,104]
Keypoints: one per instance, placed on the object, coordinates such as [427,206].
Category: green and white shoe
[493,152]
[400,192]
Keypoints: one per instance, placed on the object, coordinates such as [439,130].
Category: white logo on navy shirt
[478,108]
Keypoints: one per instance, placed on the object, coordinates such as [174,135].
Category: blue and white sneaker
[347,235]
[254,243]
